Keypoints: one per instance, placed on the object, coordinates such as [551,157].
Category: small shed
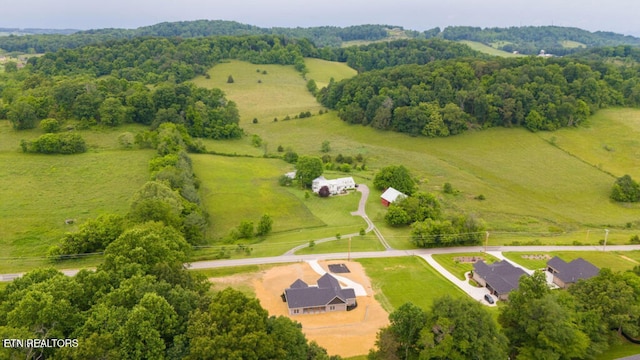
[391,195]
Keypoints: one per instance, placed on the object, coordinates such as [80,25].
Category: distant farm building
[291,175]
[565,274]
[327,296]
[336,186]
[500,277]
[391,195]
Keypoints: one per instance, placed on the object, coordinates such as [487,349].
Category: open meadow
[39,192]
[488,49]
[263,92]
[547,187]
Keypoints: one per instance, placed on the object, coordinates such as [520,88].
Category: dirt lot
[341,333]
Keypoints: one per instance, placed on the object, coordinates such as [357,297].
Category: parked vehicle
[489,298]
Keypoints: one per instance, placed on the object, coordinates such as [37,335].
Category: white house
[336,186]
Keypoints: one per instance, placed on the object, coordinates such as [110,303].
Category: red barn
[391,195]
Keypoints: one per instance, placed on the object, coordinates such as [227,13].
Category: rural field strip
[214,264]
[359,289]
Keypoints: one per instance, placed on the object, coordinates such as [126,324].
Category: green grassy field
[407,279]
[616,261]
[572,44]
[608,141]
[282,91]
[236,189]
[321,71]
[488,49]
[457,268]
[40,191]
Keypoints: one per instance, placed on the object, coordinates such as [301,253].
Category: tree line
[321,36]
[448,97]
[536,323]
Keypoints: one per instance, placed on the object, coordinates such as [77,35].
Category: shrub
[230,80]
[66,143]
[447,188]
[50,125]
[255,120]
[324,192]
[635,239]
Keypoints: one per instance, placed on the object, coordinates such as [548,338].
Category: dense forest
[322,36]
[526,40]
[448,97]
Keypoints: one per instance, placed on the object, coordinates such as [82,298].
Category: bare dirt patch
[347,333]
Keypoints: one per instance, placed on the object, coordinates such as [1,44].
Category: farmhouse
[565,274]
[325,297]
[391,195]
[336,186]
[500,277]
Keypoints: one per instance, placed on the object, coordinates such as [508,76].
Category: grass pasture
[568,44]
[39,192]
[609,141]
[616,261]
[236,188]
[407,279]
[457,268]
[367,242]
[529,184]
[488,49]
[281,91]
[321,71]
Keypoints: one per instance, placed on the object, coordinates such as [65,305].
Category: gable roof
[573,271]
[299,284]
[392,195]
[327,292]
[500,276]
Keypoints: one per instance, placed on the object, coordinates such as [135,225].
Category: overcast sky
[608,15]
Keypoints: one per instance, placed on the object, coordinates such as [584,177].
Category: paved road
[213,264]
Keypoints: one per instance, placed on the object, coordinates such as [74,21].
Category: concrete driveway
[476,293]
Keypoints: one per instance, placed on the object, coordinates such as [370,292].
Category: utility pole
[486,241]
[349,253]
[606,234]
[587,241]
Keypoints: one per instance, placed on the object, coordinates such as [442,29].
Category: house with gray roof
[565,274]
[500,277]
[327,296]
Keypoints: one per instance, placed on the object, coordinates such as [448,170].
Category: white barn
[336,186]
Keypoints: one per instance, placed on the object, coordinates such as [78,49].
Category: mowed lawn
[280,92]
[455,265]
[407,279]
[616,261]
